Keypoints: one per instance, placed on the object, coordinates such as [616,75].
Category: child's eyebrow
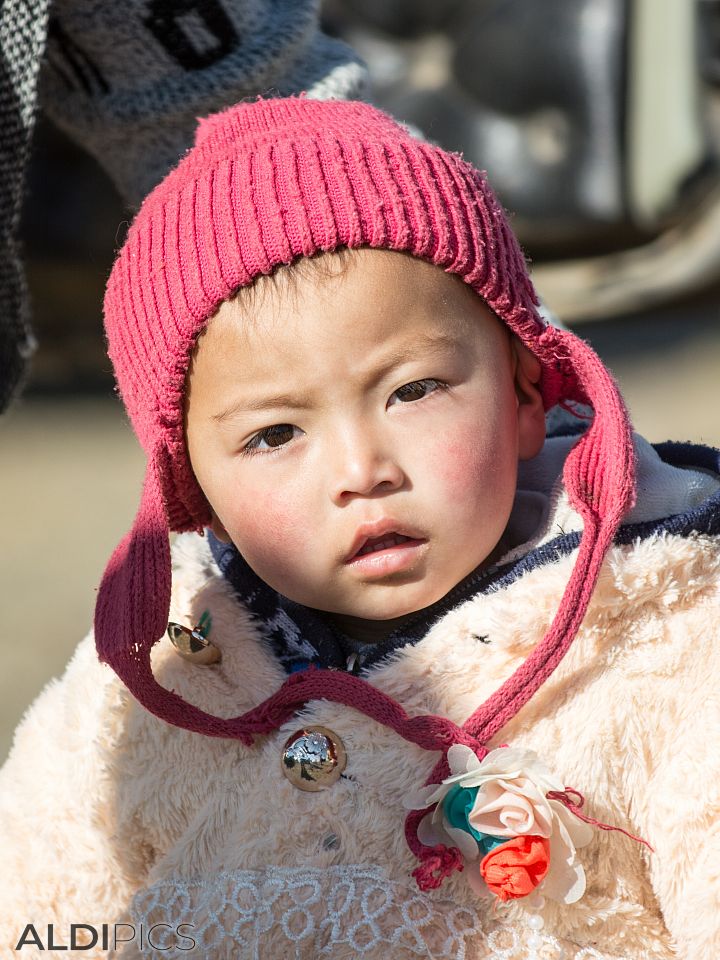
[413,349]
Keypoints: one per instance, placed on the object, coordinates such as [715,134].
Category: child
[416,631]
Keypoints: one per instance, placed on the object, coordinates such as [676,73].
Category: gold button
[192,645]
[313,759]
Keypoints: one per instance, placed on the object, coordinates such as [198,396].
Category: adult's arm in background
[128,82]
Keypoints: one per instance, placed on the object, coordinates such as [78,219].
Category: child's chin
[399,608]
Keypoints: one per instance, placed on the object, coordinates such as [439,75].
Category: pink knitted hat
[265,183]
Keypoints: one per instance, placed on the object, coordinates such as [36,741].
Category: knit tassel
[437,865]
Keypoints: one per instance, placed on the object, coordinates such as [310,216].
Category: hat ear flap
[132,608]
[599,472]
[134,597]
[599,476]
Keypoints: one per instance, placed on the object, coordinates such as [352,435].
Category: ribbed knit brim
[266,183]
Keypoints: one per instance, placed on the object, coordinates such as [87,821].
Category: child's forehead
[341,341]
[345,324]
[411,293]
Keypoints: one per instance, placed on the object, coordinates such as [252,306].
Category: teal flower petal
[457,805]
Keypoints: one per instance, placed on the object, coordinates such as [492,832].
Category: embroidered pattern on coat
[339,912]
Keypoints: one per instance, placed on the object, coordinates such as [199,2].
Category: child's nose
[360,465]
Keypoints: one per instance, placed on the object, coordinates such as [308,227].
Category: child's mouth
[390,553]
[381,543]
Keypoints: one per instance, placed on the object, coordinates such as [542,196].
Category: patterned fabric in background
[23,28]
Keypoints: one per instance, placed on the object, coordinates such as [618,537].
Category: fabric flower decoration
[486,806]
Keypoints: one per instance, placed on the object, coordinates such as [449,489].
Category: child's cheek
[269,530]
[468,462]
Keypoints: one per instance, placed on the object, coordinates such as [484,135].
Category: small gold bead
[192,645]
[313,759]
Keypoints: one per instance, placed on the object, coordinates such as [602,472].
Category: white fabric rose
[511,801]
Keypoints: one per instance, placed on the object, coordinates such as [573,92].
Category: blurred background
[599,124]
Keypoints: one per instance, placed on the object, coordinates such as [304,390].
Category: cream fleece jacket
[109,814]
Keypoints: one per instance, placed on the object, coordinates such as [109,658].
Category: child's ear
[218,529]
[531,413]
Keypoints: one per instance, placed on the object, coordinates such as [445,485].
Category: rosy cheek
[467,462]
[269,529]
[453,463]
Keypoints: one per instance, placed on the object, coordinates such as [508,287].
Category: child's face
[404,400]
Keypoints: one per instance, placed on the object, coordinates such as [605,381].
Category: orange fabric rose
[515,868]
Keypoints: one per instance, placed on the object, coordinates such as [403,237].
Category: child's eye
[273,437]
[419,389]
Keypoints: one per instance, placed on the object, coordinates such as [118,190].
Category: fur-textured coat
[109,814]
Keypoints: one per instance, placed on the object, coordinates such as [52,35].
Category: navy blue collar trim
[300,636]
